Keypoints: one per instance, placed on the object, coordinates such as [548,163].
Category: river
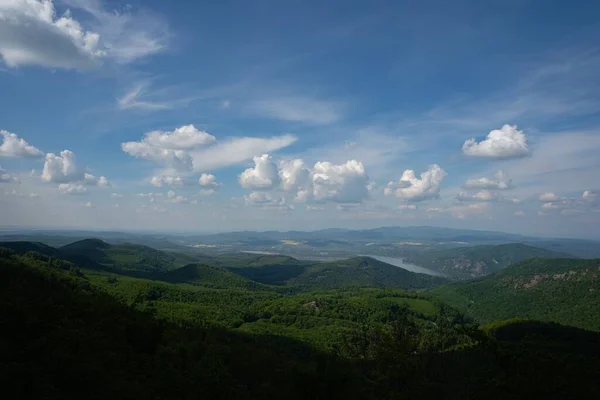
[398,262]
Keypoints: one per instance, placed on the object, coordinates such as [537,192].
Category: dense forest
[202,331]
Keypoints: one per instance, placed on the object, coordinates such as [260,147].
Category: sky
[300,115]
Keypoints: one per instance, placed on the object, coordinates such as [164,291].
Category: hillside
[22,247]
[565,291]
[474,261]
[58,324]
[207,276]
[126,256]
[363,271]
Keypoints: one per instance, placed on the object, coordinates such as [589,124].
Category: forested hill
[474,261]
[565,290]
[77,342]
[363,271]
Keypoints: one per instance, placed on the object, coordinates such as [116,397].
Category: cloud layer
[413,189]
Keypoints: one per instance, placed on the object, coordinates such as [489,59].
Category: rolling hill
[565,291]
[474,261]
[208,276]
[363,271]
[126,256]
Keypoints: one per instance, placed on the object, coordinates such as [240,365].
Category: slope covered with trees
[474,261]
[61,327]
[363,271]
[566,291]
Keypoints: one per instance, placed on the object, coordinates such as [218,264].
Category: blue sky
[215,116]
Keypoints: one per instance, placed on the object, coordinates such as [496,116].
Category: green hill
[126,256]
[80,343]
[474,261]
[208,276]
[363,271]
[565,291]
[22,247]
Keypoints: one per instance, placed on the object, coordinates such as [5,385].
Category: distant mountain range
[385,241]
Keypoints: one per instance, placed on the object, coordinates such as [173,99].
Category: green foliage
[565,291]
[363,271]
[465,262]
[65,334]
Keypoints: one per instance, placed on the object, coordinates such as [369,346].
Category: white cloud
[72,188]
[174,198]
[34,195]
[264,175]
[506,142]
[91,180]
[407,206]
[171,147]
[149,195]
[5,177]
[345,183]
[183,138]
[483,195]
[166,180]
[294,175]
[133,99]
[14,146]
[462,211]
[187,148]
[31,33]
[411,188]
[520,213]
[237,150]
[298,109]
[89,204]
[207,192]
[500,181]
[267,201]
[208,181]
[61,169]
[116,195]
[548,197]
[589,196]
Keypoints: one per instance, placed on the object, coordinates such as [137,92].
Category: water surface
[398,262]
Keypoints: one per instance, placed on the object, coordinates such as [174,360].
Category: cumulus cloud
[91,180]
[171,148]
[549,197]
[483,195]
[264,175]
[14,146]
[208,181]
[166,180]
[116,195]
[500,181]
[89,204]
[62,168]
[72,188]
[294,175]
[5,177]
[520,213]
[344,183]
[172,197]
[506,142]
[267,201]
[31,33]
[413,189]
